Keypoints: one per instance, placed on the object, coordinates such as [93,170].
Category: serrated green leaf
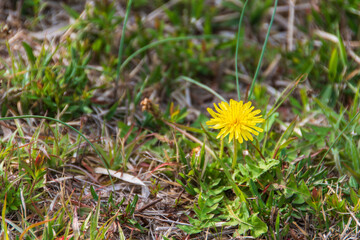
[189,229]
[259,227]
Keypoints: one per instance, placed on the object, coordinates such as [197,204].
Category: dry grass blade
[127,178]
[191,137]
[33,226]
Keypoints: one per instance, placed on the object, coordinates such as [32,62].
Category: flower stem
[235,155]
[221,148]
[236,189]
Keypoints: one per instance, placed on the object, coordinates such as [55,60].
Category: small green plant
[155,188]
[45,87]
[31,177]
[206,208]
[96,32]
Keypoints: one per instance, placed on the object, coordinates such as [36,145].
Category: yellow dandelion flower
[236,119]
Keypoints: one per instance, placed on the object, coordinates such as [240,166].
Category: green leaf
[353,183]
[277,226]
[70,11]
[354,174]
[94,222]
[112,110]
[203,162]
[29,53]
[342,50]
[93,193]
[270,200]
[321,130]
[333,65]
[130,208]
[255,192]
[285,135]
[303,189]
[270,121]
[189,229]
[259,227]
[354,197]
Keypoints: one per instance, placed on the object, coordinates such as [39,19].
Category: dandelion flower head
[236,119]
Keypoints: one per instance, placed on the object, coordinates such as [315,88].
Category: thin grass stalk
[3,217]
[72,128]
[286,93]
[33,226]
[203,86]
[121,47]
[262,52]
[237,49]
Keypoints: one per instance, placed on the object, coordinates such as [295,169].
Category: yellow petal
[217,108]
[231,136]
[224,106]
[249,136]
[244,135]
[240,139]
[212,113]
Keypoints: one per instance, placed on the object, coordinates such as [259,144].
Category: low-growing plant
[43,86]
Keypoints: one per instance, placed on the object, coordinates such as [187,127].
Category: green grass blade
[262,52]
[283,96]
[121,233]
[94,222]
[237,49]
[121,47]
[277,227]
[285,136]
[202,86]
